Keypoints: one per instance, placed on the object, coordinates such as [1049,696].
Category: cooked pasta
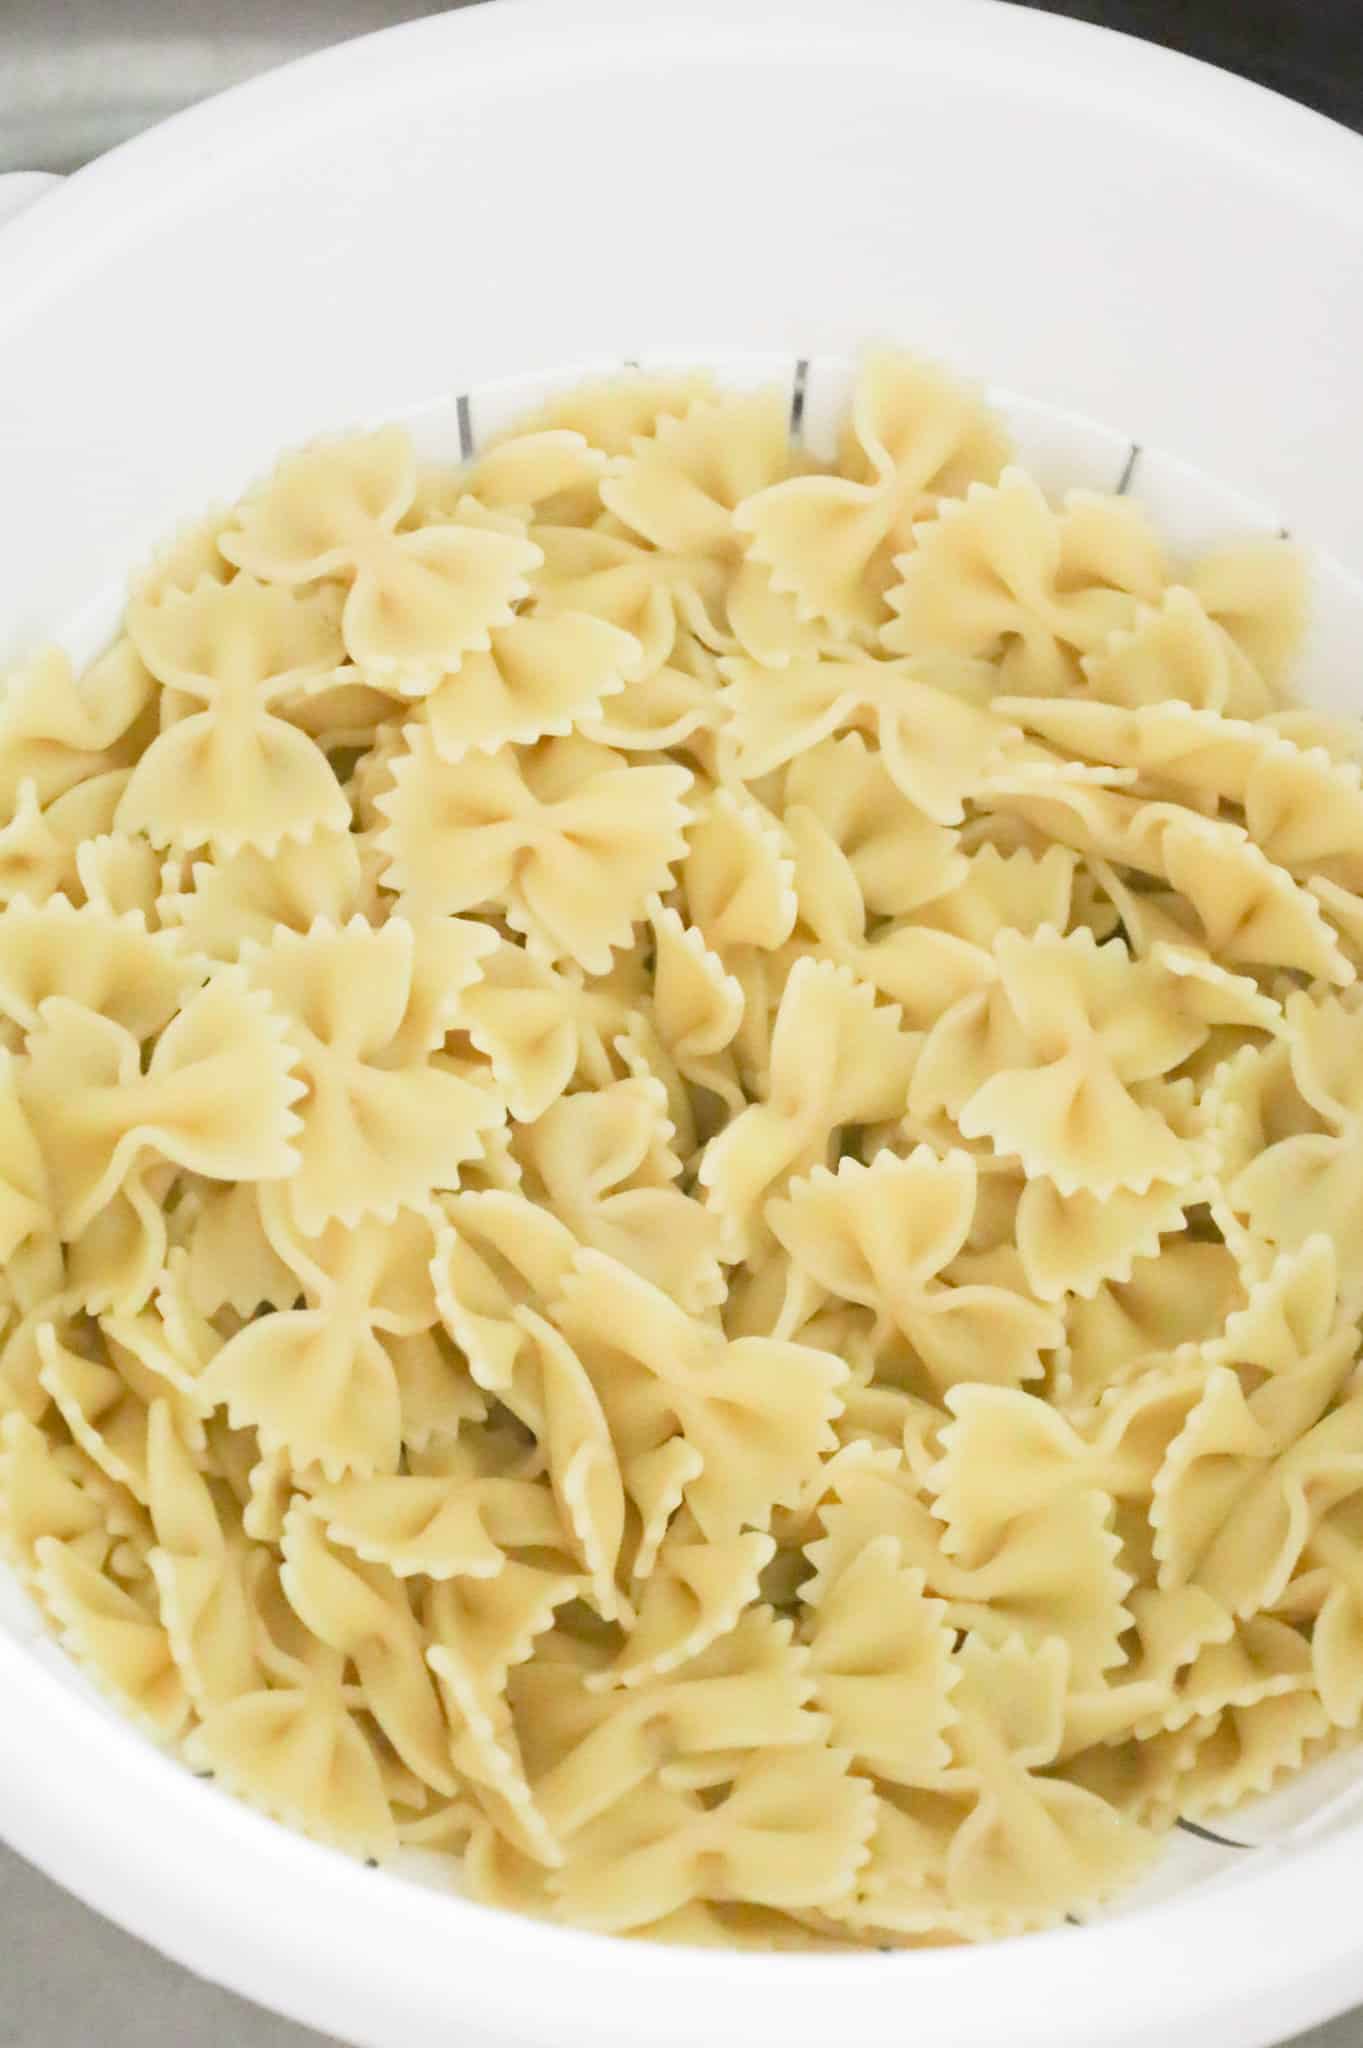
[680,1180]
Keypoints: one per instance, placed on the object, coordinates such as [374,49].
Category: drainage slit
[797,398]
[1192,1827]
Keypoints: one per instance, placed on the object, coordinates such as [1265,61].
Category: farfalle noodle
[756,1411]
[215,1096]
[737,879]
[1000,575]
[567,835]
[1047,1063]
[378,1127]
[41,844]
[57,732]
[660,599]
[681,484]
[416,602]
[1013,1847]
[881,1235]
[935,741]
[789,1830]
[1312,1181]
[317,1382]
[914,436]
[233,773]
[604,1165]
[836,1059]
[538,676]
[218,905]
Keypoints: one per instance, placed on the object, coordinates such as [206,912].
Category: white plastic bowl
[457,207]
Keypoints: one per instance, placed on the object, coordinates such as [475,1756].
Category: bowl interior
[1063,450]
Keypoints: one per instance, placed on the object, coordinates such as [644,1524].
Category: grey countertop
[76,76]
[74,1981]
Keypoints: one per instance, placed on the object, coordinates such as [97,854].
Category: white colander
[440,223]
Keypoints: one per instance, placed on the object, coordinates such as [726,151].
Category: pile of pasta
[682,1181]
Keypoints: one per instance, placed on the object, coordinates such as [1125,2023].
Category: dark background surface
[76,76]
[1310,49]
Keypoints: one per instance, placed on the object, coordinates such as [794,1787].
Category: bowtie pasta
[682,1169]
